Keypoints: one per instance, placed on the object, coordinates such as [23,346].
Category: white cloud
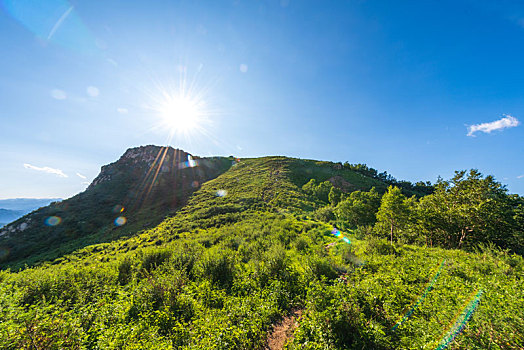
[81,176]
[506,121]
[520,176]
[93,91]
[122,110]
[58,94]
[46,169]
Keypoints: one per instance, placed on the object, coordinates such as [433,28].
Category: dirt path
[283,331]
[328,246]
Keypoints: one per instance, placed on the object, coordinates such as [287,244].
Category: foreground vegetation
[249,248]
[224,288]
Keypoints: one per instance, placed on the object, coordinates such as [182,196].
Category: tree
[319,190]
[393,213]
[516,241]
[467,210]
[310,187]
[359,208]
[334,196]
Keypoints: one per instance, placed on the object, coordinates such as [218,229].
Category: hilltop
[255,244]
[150,183]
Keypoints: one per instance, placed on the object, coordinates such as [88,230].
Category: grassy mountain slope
[147,184]
[143,187]
[242,254]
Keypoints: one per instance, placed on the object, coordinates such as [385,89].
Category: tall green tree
[393,213]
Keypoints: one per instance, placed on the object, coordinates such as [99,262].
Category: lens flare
[118,209]
[421,298]
[353,258]
[55,21]
[461,321]
[53,221]
[337,233]
[120,221]
[4,252]
[191,163]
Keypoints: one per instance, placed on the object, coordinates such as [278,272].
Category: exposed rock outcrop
[168,159]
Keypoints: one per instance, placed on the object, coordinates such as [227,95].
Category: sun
[181,111]
[181,114]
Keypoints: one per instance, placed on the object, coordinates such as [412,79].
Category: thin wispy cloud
[59,22]
[81,176]
[507,121]
[93,91]
[58,94]
[46,169]
[520,176]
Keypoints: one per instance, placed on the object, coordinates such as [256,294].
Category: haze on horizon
[416,89]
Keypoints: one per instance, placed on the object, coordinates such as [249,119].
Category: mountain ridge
[146,184]
[143,186]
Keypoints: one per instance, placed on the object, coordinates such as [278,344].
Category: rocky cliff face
[166,158]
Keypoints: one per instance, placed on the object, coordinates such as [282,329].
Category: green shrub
[302,244]
[322,267]
[153,259]
[324,214]
[185,258]
[125,271]
[380,246]
[362,232]
[217,265]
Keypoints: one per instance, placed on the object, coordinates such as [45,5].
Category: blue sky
[396,85]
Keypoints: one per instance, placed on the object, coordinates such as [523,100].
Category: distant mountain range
[14,208]
[26,203]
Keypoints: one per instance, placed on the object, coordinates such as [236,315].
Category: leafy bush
[153,259]
[217,265]
[302,244]
[125,271]
[324,214]
[322,267]
[380,246]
